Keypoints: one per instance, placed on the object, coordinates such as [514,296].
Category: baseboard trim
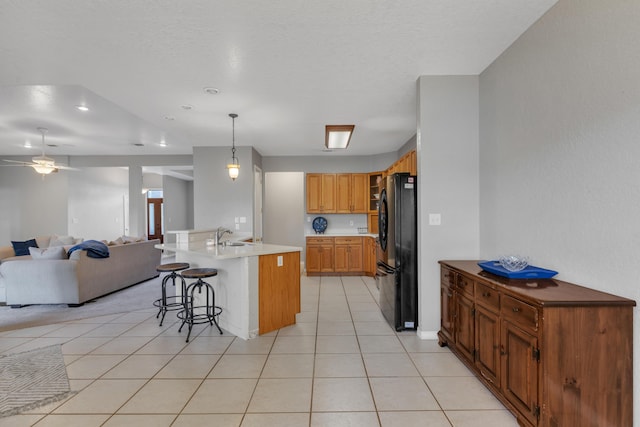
[427,335]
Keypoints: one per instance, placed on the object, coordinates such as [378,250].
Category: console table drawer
[465,285]
[520,312]
[487,297]
[447,277]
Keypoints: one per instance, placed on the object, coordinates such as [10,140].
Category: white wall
[559,159]
[97,203]
[447,153]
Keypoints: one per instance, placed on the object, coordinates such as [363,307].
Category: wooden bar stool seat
[169,303]
[207,313]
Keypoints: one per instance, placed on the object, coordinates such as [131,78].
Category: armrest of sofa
[6,252]
[40,281]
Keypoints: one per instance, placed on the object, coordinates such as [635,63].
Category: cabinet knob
[515,309]
[486,294]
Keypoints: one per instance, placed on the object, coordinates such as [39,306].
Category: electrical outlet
[351,223]
[435,219]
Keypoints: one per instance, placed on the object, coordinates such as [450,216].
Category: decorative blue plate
[529,272]
[319,224]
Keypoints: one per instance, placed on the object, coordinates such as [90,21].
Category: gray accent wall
[217,199]
[560,149]
[97,203]
[178,205]
[32,206]
[447,157]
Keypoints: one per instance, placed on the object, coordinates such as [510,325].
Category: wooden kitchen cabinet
[370,258]
[554,353]
[348,255]
[352,193]
[320,253]
[375,183]
[321,193]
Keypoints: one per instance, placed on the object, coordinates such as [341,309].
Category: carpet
[31,379]
[133,298]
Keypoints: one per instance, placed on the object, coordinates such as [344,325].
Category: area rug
[31,379]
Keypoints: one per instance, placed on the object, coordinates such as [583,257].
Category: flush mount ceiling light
[338,136]
[233,166]
[82,107]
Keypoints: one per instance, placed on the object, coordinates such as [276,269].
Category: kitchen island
[257,286]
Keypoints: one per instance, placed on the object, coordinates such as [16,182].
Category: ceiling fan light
[43,169]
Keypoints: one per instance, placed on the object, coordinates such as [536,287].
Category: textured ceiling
[286,67]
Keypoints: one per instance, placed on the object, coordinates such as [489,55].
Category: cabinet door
[369,257]
[328,204]
[488,344]
[343,193]
[464,329]
[313,259]
[519,370]
[326,258]
[341,260]
[359,193]
[355,258]
[446,311]
[314,192]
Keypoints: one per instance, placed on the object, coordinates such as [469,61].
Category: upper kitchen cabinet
[321,193]
[406,163]
[375,181]
[352,193]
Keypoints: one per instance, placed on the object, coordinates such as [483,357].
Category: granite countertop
[228,252]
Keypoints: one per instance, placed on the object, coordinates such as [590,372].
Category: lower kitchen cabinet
[370,257]
[554,353]
[319,255]
[337,256]
[348,258]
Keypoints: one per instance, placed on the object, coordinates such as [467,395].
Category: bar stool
[206,313]
[171,303]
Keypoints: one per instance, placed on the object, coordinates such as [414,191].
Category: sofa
[77,278]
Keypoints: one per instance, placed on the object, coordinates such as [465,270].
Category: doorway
[155,223]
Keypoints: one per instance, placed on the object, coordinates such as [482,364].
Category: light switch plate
[280,261]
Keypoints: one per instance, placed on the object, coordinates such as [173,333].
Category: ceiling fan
[42,164]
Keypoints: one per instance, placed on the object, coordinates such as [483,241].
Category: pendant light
[233,167]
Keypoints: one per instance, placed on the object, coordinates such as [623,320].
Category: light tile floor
[340,365]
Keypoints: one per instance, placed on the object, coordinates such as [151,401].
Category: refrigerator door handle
[384,268]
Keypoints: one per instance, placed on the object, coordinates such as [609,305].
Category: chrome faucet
[220,231]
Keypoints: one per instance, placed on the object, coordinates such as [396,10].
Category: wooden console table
[554,353]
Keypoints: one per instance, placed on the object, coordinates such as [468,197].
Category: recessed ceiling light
[163,143]
[82,107]
[211,90]
[186,107]
[138,144]
[27,144]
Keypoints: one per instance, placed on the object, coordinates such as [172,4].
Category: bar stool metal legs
[206,311]
[170,303]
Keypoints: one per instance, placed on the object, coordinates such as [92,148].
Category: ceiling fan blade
[67,168]
[18,163]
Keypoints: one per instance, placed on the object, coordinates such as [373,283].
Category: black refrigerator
[397,263]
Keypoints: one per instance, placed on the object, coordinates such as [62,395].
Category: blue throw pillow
[22,248]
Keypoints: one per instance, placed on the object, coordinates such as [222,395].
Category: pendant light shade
[233,167]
